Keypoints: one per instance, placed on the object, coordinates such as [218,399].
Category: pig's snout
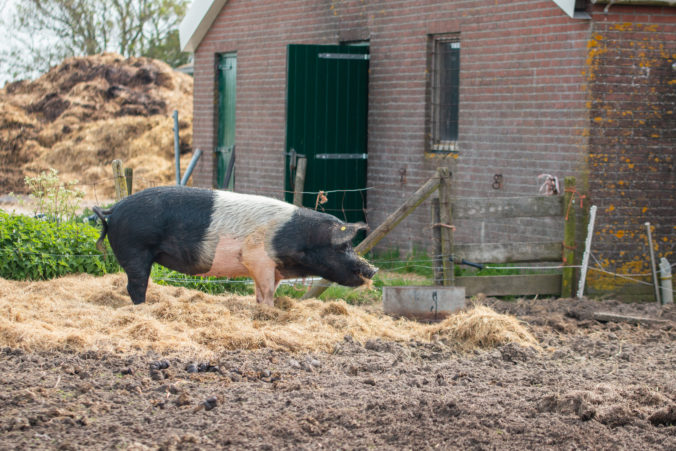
[365,272]
[369,272]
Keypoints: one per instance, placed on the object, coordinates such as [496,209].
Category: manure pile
[88,111]
[84,312]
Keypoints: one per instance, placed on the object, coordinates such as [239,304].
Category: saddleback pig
[220,233]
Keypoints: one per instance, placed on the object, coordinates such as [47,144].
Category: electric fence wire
[404,264]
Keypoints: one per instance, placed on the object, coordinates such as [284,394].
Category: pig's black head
[342,263]
[315,243]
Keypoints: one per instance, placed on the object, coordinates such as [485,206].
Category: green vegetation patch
[36,249]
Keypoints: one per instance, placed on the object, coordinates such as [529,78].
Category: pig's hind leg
[137,266]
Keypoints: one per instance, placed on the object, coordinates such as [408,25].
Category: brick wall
[522,98]
[632,143]
[259,32]
[525,99]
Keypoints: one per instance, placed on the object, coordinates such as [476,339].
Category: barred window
[445,93]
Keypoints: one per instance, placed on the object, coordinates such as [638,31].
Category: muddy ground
[593,386]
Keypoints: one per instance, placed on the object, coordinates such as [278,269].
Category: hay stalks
[94,313]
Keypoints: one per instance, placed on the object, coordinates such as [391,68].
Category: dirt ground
[594,385]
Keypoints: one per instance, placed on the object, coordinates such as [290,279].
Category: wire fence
[96,190]
[391,266]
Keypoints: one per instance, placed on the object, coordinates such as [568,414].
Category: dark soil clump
[593,386]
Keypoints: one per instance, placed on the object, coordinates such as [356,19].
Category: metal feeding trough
[423,303]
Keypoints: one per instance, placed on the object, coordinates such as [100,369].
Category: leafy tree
[47,31]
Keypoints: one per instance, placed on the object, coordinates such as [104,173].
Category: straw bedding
[84,312]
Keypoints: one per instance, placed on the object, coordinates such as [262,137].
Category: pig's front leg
[263,271]
[265,293]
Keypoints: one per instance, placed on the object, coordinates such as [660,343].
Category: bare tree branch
[63,28]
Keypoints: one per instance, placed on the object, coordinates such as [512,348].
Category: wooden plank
[383,229]
[509,252]
[626,292]
[522,285]
[400,213]
[613,317]
[423,303]
[507,207]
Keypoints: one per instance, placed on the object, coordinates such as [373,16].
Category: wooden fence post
[120,182]
[436,242]
[299,184]
[383,229]
[445,217]
[129,178]
[568,237]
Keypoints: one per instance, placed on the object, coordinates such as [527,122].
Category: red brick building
[499,91]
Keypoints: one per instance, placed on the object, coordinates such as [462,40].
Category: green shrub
[35,249]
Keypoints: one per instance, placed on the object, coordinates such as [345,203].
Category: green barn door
[327,101]
[227,84]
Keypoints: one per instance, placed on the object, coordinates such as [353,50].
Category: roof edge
[197,22]
[638,2]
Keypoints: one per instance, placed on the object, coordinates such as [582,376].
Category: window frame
[434,142]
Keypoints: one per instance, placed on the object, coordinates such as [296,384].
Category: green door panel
[327,100]
[227,96]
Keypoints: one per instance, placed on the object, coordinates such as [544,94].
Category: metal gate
[227,95]
[327,100]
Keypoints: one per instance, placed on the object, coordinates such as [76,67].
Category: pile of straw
[88,111]
[94,313]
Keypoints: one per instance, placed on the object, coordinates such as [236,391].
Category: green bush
[35,249]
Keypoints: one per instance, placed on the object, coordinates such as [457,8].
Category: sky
[5,7]
[8,35]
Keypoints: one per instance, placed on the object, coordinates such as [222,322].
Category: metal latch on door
[345,56]
[342,156]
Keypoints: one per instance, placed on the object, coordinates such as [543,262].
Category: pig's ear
[343,233]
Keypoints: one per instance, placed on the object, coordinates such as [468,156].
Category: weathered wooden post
[299,183]
[436,243]
[445,217]
[129,178]
[120,181]
[383,229]
[568,238]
